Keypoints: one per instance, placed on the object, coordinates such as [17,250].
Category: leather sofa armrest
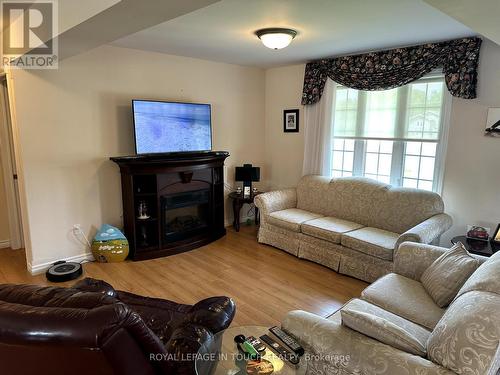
[427,231]
[411,259]
[183,345]
[214,313]
[160,315]
[70,326]
[183,328]
[93,285]
[276,200]
[137,302]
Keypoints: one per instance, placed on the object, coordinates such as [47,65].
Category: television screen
[171,127]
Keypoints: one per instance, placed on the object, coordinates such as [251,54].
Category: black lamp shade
[247,173]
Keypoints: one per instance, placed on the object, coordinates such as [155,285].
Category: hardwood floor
[265,282]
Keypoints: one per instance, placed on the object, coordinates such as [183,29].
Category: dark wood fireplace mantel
[184,198]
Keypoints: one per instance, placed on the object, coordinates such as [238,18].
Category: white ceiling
[73,12]
[481,16]
[86,25]
[224,31]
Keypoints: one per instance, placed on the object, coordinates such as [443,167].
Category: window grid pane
[419,162]
[380,115]
[378,160]
[346,104]
[424,110]
[343,157]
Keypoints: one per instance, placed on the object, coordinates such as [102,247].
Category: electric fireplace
[172,202]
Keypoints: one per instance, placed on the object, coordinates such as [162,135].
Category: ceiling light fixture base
[276,37]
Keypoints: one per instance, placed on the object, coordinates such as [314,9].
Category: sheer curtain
[318,121]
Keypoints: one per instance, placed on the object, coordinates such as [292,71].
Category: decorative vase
[109,245]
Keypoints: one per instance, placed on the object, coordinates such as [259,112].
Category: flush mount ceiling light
[276,38]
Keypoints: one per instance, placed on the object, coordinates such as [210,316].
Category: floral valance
[387,69]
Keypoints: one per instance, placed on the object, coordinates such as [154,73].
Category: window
[394,136]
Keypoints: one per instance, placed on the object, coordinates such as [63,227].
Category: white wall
[73,119]
[284,151]
[471,183]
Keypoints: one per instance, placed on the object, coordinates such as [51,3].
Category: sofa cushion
[385,327]
[372,241]
[446,275]
[329,228]
[404,297]
[368,202]
[466,338]
[350,198]
[291,218]
[485,278]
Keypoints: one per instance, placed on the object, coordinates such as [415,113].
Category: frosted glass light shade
[276,38]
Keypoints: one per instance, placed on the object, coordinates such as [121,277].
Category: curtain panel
[318,121]
[388,69]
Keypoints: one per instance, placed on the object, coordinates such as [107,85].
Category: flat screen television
[162,127]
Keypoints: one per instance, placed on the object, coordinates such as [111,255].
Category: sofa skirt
[339,258]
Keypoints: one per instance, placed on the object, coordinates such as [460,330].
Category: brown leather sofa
[92,329]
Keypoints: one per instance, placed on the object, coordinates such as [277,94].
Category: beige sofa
[351,225]
[461,339]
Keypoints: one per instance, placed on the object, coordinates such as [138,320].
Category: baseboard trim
[36,269]
[4,244]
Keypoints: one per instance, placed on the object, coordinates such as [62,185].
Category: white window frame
[398,153]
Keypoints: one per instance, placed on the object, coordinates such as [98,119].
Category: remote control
[288,340]
[283,352]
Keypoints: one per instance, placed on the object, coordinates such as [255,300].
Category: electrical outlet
[79,234]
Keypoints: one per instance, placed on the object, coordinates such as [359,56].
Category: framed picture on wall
[291,120]
[493,122]
[496,236]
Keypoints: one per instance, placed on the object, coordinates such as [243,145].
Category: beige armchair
[460,339]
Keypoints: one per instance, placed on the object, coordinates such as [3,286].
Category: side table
[221,356]
[238,201]
[484,248]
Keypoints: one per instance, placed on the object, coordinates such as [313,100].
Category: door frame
[12,166]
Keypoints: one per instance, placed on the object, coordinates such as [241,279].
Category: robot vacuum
[64,271]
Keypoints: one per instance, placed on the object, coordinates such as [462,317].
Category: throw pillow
[444,278]
[485,278]
[466,338]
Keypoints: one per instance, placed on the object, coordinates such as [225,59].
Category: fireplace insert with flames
[185,214]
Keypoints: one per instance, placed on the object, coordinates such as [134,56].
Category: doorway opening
[10,217]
